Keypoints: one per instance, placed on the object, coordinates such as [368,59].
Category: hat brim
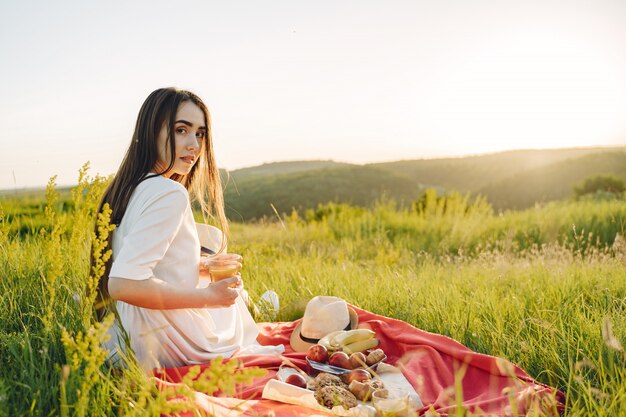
[299,345]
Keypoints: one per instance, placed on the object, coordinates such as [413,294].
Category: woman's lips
[188,159]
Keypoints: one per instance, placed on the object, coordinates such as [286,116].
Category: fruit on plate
[328,340]
[356,340]
[340,359]
[361,345]
[297,380]
[357,360]
[317,353]
[374,357]
[360,375]
[350,341]
[352,336]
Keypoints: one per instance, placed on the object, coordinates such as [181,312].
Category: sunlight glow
[530,93]
[355,81]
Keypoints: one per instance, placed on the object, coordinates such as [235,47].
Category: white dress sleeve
[149,236]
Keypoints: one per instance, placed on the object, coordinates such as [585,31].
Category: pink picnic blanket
[443,372]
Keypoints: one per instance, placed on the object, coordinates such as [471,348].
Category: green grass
[545,288]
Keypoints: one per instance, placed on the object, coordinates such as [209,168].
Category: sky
[353,80]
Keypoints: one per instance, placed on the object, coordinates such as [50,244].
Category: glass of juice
[392,402]
[219,270]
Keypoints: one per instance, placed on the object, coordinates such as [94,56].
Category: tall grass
[51,359]
[545,288]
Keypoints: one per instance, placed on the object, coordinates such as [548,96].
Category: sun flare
[530,93]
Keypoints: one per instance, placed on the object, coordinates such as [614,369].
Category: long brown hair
[203,181]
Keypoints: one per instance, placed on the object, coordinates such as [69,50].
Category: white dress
[157,237]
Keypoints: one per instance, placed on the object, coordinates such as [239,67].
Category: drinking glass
[223,270]
[392,402]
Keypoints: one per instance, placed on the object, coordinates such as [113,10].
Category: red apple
[360,375]
[317,353]
[297,380]
[357,360]
[339,359]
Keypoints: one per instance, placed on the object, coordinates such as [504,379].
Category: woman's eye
[181,130]
[200,135]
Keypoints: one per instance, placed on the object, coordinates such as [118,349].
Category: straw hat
[323,314]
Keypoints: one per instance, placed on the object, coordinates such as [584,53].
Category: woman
[152,280]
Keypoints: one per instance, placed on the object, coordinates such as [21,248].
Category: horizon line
[434,158]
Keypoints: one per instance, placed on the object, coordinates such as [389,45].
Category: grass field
[544,288]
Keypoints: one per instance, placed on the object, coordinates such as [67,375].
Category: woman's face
[190,132]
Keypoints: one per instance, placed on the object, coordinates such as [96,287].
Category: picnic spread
[434,373]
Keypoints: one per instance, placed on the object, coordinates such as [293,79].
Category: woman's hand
[156,294]
[223,293]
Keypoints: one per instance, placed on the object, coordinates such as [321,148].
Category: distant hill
[358,185]
[509,180]
[552,182]
[473,173]
[33,193]
[289,167]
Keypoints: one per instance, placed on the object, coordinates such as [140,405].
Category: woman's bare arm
[156,294]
